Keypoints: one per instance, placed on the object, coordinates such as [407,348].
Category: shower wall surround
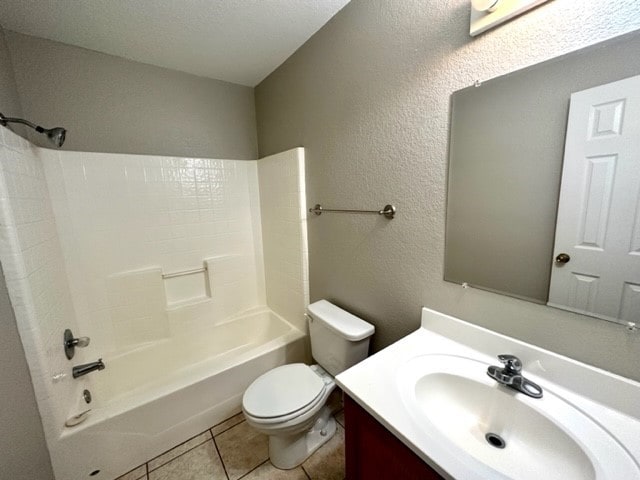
[35,274]
[124,220]
[87,241]
[284,208]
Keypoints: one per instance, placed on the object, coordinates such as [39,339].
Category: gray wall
[109,104]
[506,151]
[368,96]
[9,99]
[23,452]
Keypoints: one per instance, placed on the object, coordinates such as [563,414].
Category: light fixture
[55,135]
[485,5]
[486,14]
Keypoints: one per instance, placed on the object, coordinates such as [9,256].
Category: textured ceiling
[239,41]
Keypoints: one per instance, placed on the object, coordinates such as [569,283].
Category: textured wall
[23,452]
[368,97]
[109,104]
[9,99]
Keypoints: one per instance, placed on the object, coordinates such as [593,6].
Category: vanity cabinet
[372,451]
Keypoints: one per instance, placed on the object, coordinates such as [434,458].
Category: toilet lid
[282,391]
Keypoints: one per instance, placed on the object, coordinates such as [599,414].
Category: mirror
[506,153]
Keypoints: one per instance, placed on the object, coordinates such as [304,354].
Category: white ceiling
[239,41]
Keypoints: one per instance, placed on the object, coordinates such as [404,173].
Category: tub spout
[80,370]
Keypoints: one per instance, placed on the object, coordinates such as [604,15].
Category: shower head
[55,135]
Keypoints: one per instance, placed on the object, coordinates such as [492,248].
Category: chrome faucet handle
[81,342]
[512,364]
[70,343]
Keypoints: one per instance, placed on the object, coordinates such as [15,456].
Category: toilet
[288,402]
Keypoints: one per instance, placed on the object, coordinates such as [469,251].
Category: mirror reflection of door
[597,246]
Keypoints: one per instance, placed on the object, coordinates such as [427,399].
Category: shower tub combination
[179,349]
[156,396]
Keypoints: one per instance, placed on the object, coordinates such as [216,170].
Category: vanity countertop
[594,412]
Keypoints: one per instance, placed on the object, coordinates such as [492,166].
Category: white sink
[432,391]
[518,436]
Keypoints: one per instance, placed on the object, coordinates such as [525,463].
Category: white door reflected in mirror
[598,225]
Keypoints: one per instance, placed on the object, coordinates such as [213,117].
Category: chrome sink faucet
[511,376]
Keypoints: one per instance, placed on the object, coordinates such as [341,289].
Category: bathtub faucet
[80,370]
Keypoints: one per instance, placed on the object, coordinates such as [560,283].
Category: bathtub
[156,396]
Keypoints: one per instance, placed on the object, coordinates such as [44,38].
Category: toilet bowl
[288,403]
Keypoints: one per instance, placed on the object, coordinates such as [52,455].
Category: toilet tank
[339,339]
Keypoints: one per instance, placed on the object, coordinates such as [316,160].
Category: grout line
[179,445]
[178,456]
[305,472]
[226,419]
[254,468]
[211,437]
[224,467]
[141,476]
[226,429]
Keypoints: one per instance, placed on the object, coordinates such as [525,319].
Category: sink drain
[495,440]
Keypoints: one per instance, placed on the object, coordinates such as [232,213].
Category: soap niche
[186,288]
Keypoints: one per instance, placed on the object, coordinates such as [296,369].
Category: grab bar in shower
[388,211]
[184,272]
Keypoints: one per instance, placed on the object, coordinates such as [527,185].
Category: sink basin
[431,390]
[478,420]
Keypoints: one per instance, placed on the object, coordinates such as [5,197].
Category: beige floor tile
[227,424]
[327,463]
[267,471]
[201,463]
[179,450]
[242,449]
[135,474]
[340,417]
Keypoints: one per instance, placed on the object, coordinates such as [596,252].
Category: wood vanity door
[372,452]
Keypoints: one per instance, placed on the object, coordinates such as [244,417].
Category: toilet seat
[283,393]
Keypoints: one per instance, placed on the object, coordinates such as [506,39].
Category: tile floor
[232,450]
